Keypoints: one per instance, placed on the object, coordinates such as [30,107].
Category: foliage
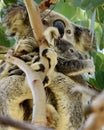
[87,13]
[98,79]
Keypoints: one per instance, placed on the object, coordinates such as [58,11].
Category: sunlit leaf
[98,81]
[100,14]
[8,2]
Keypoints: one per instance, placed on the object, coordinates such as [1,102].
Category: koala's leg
[25,45]
[4,69]
[52,116]
[13,92]
[69,105]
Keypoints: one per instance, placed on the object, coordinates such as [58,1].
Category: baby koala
[67,75]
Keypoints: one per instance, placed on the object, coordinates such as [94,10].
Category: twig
[3,52]
[45,4]
[7,121]
[96,119]
[35,20]
[39,113]
[35,83]
[4,48]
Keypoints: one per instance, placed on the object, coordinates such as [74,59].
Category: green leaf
[9,2]
[99,62]
[65,9]
[86,4]
[97,3]
[93,22]
[98,81]
[76,2]
[3,38]
[100,14]
[102,38]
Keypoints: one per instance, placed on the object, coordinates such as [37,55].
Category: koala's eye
[71,50]
[68,31]
[9,24]
[44,22]
[60,25]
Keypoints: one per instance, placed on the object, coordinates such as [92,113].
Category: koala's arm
[74,67]
[25,46]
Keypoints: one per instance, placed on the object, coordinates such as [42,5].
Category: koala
[79,36]
[65,77]
[17,25]
[56,87]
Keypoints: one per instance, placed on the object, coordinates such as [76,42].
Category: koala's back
[67,103]
[13,92]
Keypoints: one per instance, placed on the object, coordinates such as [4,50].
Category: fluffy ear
[25,16]
[51,33]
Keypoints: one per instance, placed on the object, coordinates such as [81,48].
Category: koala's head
[16,21]
[84,41]
[54,19]
[66,50]
[62,47]
[17,24]
[80,37]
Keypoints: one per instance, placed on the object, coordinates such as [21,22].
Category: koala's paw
[26,58]
[25,45]
[51,33]
[38,67]
[51,55]
[91,66]
[46,81]
[16,72]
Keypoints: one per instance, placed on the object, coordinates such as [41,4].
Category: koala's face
[66,50]
[14,26]
[57,20]
[18,25]
[80,37]
[83,39]
[14,21]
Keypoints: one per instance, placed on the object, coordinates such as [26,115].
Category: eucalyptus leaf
[99,61]
[65,9]
[98,81]
[97,3]
[9,2]
[4,41]
[100,14]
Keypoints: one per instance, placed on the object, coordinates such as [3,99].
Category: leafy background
[87,13]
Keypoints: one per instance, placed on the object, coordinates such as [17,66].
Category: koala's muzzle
[60,25]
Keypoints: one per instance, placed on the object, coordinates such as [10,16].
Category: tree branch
[35,20]
[45,4]
[35,83]
[22,125]
[96,120]
[4,48]
[38,90]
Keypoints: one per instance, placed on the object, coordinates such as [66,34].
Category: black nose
[80,56]
[59,24]
[12,34]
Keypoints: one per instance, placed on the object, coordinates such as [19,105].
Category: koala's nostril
[80,56]
[12,35]
[71,50]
